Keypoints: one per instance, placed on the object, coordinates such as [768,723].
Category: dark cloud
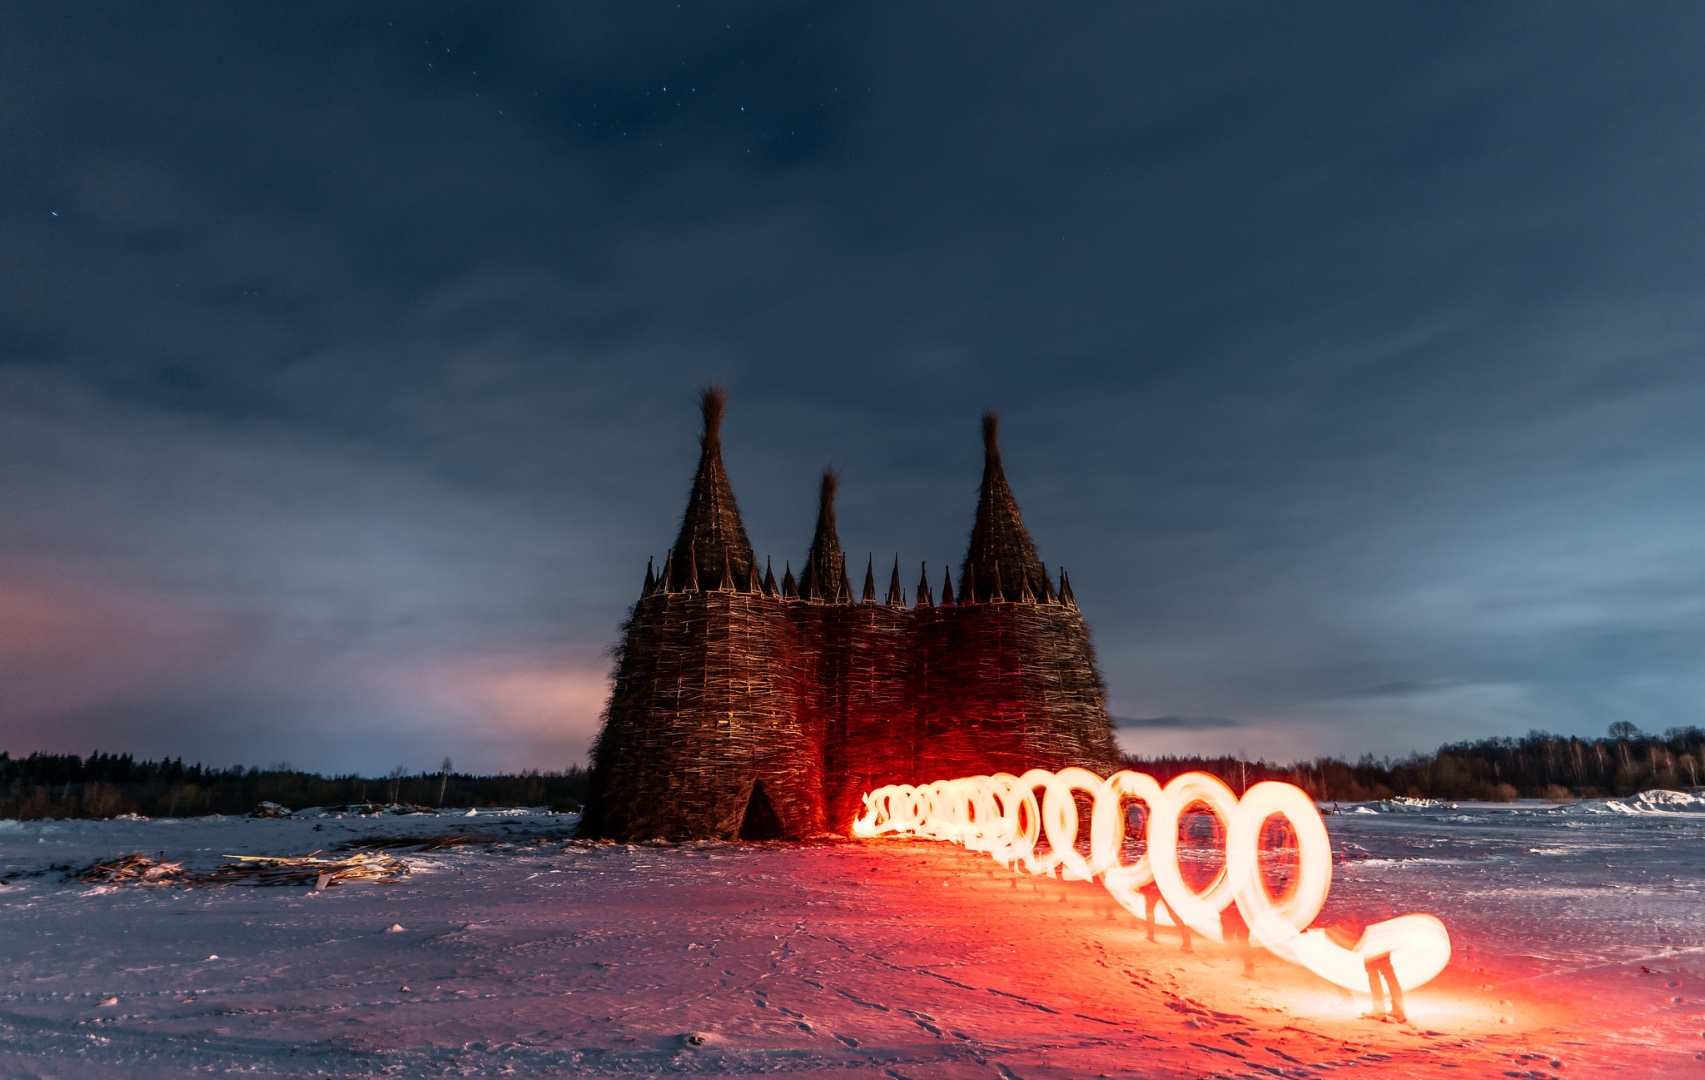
[1337,349]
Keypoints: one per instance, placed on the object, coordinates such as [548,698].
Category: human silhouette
[1351,935]
[1151,900]
[1234,929]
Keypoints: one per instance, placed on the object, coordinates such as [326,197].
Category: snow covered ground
[1579,938]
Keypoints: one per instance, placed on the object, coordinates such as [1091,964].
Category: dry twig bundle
[308,870]
[137,869]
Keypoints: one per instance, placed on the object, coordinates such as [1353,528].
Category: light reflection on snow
[1000,815]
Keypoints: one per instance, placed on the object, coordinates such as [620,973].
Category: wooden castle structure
[747,708]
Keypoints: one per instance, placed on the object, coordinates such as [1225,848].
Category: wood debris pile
[308,870]
[137,869]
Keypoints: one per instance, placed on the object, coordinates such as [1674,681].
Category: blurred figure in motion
[1151,901]
[1380,967]
[1352,935]
[1234,930]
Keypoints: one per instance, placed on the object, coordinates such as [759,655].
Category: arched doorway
[760,821]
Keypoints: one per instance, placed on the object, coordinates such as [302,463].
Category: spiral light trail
[1002,816]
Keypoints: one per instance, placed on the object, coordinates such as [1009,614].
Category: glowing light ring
[1059,819]
[1313,880]
[1000,815]
[1107,833]
[1200,911]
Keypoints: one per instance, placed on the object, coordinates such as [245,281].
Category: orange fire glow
[1001,815]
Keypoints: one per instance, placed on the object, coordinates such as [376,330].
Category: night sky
[1350,356]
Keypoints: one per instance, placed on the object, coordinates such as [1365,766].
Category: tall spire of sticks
[711,529]
[998,537]
[825,566]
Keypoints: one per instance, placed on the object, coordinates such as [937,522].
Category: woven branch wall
[819,702]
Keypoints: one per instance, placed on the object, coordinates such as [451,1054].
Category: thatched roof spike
[789,590]
[825,566]
[1049,596]
[663,582]
[692,570]
[870,580]
[1026,595]
[925,598]
[711,525]
[769,578]
[713,403]
[1066,596]
[726,582]
[996,596]
[998,534]
[947,587]
[896,595]
[650,579]
[754,584]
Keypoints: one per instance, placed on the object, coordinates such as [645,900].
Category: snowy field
[1579,937]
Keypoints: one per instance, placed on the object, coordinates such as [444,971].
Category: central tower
[744,708]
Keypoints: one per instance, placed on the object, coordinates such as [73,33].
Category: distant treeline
[1535,766]
[107,785]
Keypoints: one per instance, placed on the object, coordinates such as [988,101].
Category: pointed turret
[1025,596]
[825,566]
[870,580]
[692,584]
[650,580]
[769,578]
[947,587]
[753,584]
[997,595]
[711,529]
[664,578]
[1066,596]
[789,590]
[925,599]
[895,597]
[726,582]
[998,535]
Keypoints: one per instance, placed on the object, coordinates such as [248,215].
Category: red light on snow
[1002,816]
